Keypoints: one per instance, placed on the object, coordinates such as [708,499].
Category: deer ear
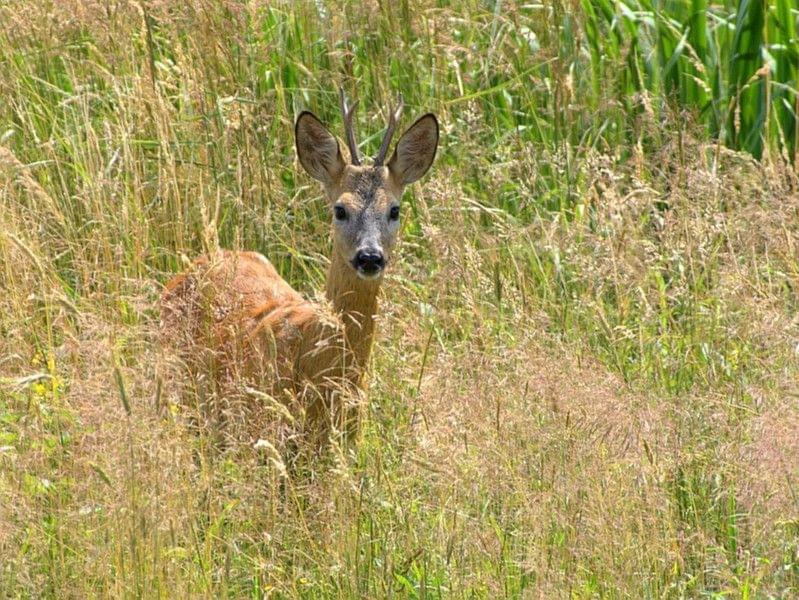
[317,149]
[415,150]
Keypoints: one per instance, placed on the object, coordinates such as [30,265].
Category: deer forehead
[364,187]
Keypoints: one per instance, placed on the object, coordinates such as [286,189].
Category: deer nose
[369,261]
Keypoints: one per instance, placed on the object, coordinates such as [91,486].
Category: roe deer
[237,306]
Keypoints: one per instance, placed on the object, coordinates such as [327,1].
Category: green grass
[584,384]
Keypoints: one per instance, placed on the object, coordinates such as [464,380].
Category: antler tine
[392,125]
[347,113]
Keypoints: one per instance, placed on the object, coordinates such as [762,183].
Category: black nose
[369,261]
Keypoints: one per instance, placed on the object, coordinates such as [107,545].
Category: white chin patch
[369,276]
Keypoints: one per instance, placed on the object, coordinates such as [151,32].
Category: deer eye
[340,212]
[394,213]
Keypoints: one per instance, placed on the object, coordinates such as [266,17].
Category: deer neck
[355,300]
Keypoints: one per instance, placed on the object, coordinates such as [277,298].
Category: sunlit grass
[584,384]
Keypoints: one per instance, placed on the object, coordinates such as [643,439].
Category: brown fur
[235,311]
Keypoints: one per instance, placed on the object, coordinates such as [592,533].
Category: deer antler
[347,113]
[392,125]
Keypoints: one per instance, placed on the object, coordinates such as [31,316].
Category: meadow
[585,380]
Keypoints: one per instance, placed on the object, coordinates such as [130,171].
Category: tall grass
[733,63]
[585,380]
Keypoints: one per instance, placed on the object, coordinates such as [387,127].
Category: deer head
[365,200]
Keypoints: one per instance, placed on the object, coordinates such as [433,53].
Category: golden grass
[585,380]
